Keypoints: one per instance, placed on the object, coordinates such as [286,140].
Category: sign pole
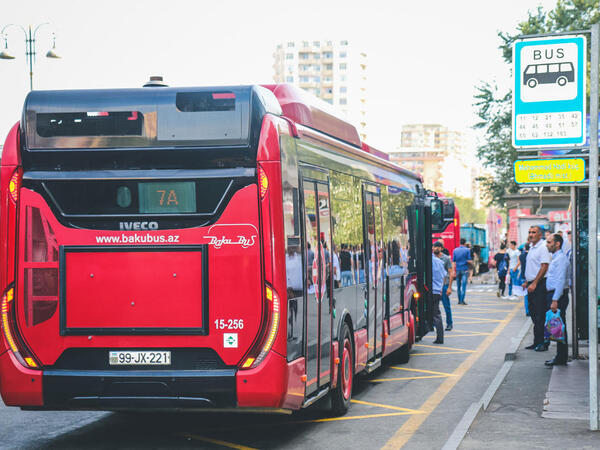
[593,232]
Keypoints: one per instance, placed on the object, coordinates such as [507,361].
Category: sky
[424,58]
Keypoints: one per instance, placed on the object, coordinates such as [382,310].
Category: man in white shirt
[538,260]
[513,266]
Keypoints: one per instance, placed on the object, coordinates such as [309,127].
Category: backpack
[503,266]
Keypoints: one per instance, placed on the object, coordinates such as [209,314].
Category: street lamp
[29,46]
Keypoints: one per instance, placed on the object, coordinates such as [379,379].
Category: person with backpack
[501,259]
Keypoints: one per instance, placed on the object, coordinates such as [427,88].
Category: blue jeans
[514,279]
[446,303]
[346,278]
[462,276]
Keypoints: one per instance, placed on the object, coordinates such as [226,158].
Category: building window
[318,68]
[329,100]
[343,77]
[304,43]
[329,90]
[290,44]
[327,55]
[343,101]
[343,42]
[327,79]
[303,79]
[303,55]
[289,56]
[317,79]
[316,43]
[329,44]
[317,56]
[289,79]
[343,66]
[343,54]
[328,66]
[342,89]
[317,91]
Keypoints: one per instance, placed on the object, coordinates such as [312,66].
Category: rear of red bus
[137,245]
[449,233]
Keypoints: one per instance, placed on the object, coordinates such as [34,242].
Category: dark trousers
[502,284]
[537,311]
[437,317]
[562,350]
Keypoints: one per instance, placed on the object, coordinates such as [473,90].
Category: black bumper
[136,389]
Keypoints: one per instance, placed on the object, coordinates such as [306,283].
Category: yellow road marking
[483,319]
[462,335]
[398,408]
[469,331]
[422,370]
[449,348]
[409,378]
[218,442]
[480,321]
[438,353]
[367,416]
[406,431]
[485,311]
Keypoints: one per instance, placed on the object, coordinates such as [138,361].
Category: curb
[465,423]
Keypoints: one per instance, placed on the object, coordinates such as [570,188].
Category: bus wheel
[561,81]
[342,394]
[532,83]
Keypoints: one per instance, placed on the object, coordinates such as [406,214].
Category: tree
[494,108]
[468,212]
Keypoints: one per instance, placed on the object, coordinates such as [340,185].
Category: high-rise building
[440,155]
[334,71]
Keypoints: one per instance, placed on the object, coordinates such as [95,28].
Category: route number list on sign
[549,125]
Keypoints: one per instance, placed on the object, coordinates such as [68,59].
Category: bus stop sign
[549,92]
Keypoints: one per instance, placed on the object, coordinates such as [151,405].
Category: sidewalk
[516,416]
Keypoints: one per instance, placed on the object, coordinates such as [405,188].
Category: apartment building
[333,70]
[440,155]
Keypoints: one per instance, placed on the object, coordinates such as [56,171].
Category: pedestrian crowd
[542,268]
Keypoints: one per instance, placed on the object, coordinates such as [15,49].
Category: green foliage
[495,108]
[468,212]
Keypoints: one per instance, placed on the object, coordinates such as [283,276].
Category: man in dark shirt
[461,257]
[346,266]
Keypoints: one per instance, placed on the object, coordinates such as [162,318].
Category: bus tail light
[13,186]
[263,182]
[274,304]
[7,313]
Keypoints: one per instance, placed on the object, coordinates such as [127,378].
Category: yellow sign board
[550,171]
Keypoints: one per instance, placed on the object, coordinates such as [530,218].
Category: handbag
[554,328]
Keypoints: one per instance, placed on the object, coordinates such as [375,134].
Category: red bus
[449,232]
[183,248]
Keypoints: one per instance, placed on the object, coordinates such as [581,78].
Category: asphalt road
[414,406]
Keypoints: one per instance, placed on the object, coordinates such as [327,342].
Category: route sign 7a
[549,94]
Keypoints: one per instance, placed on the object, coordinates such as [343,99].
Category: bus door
[375,259]
[319,279]
[419,226]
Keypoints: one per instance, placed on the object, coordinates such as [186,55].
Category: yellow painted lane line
[422,371]
[409,378]
[437,347]
[485,311]
[454,330]
[438,353]
[380,405]
[447,335]
[482,319]
[367,416]
[217,442]
[410,427]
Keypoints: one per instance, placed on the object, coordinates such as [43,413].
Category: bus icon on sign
[559,73]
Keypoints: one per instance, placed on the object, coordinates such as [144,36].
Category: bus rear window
[90,123]
[205,101]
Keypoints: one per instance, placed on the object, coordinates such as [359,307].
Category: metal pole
[593,231]
[574,247]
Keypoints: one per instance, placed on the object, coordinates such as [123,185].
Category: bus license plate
[132,358]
